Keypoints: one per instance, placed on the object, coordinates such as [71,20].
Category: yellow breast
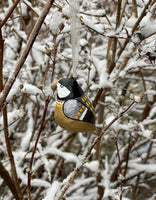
[70,124]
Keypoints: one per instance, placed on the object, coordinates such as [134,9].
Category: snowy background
[116,66]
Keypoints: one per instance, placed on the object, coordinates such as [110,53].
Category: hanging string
[75,34]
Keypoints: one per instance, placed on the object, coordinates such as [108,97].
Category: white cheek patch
[62,91]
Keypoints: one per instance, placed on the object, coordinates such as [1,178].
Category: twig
[94,15]
[89,152]
[34,150]
[97,97]
[98,145]
[6,132]
[8,181]
[1,60]
[111,61]
[136,187]
[138,176]
[106,128]
[127,155]
[9,13]
[141,16]
[135,8]
[25,52]
[134,28]
[118,16]
[54,57]
[120,176]
[11,157]
[123,9]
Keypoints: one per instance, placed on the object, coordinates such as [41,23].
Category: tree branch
[34,150]
[134,27]
[11,157]
[6,133]
[7,179]
[9,13]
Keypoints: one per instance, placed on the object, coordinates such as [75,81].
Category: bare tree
[40,160]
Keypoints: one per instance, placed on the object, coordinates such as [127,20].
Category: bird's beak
[57,81]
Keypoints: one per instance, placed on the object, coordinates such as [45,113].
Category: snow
[40,183]
[55,22]
[31,89]
[69,157]
[81,183]
[135,98]
[90,25]
[37,54]
[104,81]
[15,90]
[148,26]
[106,181]
[26,138]
[52,191]
[24,9]
[92,166]
[66,10]
[152,112]
[149,168]
[83,42]
[144,132]
[44,160]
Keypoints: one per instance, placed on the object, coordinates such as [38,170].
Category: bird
[73,112]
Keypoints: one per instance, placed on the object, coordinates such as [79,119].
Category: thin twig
[8,181]
[123,9]
[135,8]
[1,60]
[118,16]
[6,132]
[138,176]
[34,150]
[120,176]
[97,97]
[106,128]
[127,155]
[9,13]
[111,62]
[98,145]
[11,157]
[54,57]
[134,28]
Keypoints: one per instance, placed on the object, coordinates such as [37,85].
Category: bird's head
[68,88]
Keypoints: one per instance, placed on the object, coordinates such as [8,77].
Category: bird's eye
[61,86]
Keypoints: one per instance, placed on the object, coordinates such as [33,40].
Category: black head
[68,88]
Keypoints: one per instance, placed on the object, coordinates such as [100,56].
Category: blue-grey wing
[77,110]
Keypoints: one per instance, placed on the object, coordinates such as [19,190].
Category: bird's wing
[77,110]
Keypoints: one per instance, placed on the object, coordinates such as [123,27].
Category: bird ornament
[74,111]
